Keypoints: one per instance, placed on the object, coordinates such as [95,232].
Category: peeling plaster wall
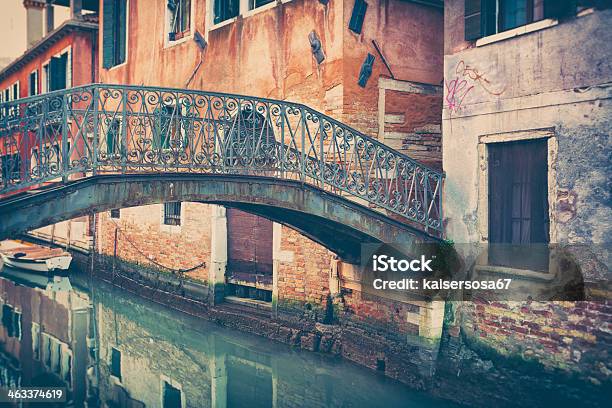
[535,81]
[555,82]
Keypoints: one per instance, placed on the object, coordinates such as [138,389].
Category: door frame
[483,174]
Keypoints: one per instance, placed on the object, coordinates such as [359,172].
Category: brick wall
[176,247]
[377,312]
[564,335]
[303,282]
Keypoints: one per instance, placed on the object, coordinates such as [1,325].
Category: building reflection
[112,349]
[43,333]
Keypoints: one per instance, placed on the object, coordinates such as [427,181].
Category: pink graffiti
[466,79]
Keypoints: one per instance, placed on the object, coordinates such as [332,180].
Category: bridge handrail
[126,128]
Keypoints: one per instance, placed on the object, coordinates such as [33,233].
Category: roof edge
[44,43]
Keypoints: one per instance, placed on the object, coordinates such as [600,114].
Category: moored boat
[36,258]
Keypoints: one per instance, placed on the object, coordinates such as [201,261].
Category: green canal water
[106,347]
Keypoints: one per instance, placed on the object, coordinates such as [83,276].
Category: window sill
[515,32]
[263,8]
[172,229]
[223,23]
[117,66]
[170,44]
[247,14]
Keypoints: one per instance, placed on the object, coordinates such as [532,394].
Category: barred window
[115,213]
[172,213]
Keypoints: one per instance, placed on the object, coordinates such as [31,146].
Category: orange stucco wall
[268,54]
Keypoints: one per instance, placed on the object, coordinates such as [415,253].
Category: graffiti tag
[465,80]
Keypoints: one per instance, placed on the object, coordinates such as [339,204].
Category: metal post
[282,152]
[123,147]
[321,153]
[303,118]
[96,131]
[65,152]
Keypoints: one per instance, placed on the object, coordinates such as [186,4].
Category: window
[15,91]
[11,320]
[112,137]
[33,83]
[115,213]
[171,397]
[225,9]
[57,72]
[179,13]
[169,129]
[253,4]
[45,78]
[172,213]
[488,17]
[115,368]
[114,37]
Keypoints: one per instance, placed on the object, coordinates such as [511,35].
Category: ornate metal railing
[100,128]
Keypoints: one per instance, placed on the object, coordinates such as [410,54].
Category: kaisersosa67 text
[441,284]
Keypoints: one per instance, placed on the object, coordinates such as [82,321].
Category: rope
[175,271]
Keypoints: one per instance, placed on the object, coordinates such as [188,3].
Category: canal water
[107,347]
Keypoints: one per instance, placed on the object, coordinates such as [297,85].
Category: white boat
[36,258]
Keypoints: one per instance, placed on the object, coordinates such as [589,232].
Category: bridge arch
[337,223]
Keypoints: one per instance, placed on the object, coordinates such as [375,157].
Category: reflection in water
[110,348]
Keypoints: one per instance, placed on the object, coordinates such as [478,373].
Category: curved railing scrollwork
[98,128]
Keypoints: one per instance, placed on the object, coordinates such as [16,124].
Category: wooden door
[518,204]
[249,243]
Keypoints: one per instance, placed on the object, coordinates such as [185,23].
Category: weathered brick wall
[563,335]
[303,283]
[539,353]
[413,125]
[142,237]
[377,312]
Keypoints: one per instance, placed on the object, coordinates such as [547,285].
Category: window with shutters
[172,213]
[170,129]
[13,96]
[179,19]
[220,11]
[113,137]
[488,17]
[15,91]
[56,73]
[114,26]
[33,83]
[225,9]
[253,4]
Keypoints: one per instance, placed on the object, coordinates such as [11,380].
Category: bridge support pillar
[218,255]
[278,255]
